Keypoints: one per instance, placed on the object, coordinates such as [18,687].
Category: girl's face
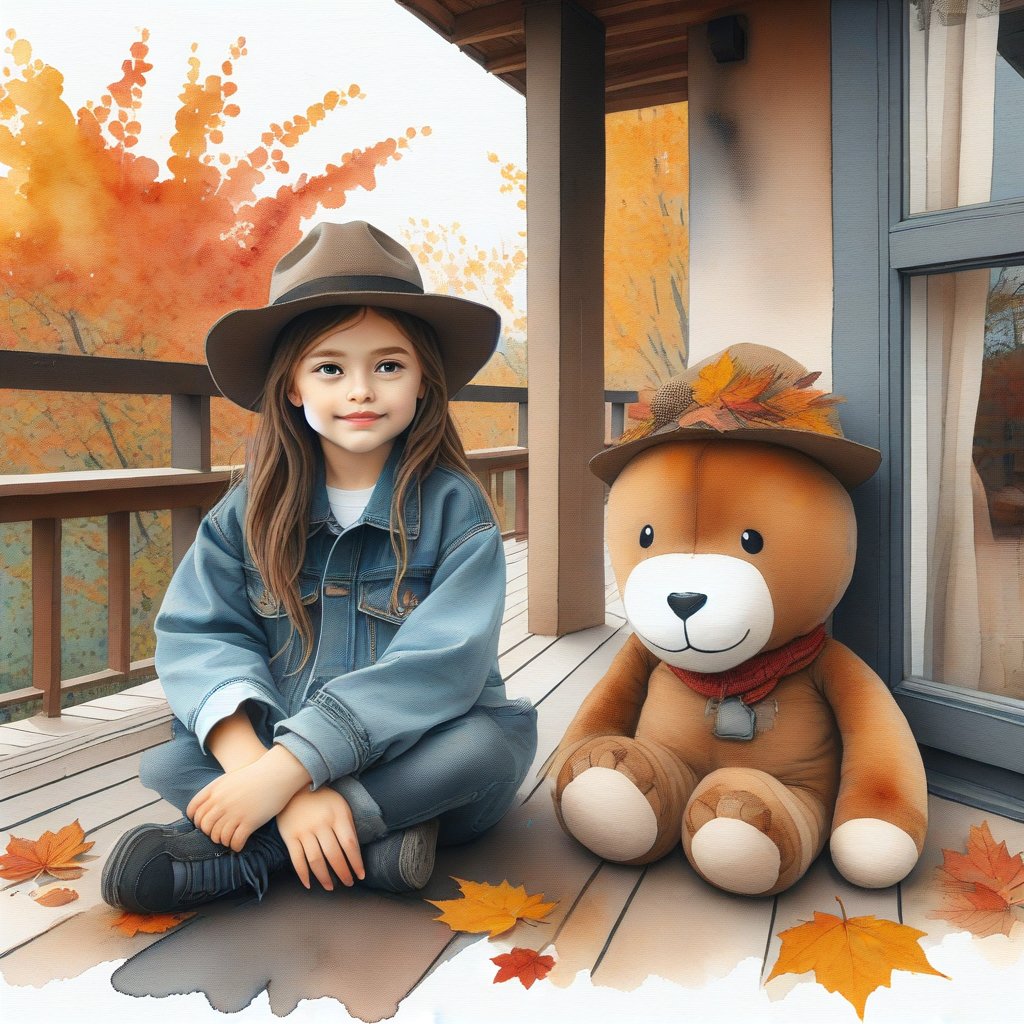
[358,385]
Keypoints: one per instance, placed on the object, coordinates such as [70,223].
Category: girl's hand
[318,830]
[233,806]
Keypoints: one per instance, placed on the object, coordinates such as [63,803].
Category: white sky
[298,50]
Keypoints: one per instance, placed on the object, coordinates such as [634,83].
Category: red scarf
[755,678]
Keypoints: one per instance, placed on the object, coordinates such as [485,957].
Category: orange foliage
[853,956]
[646,286]
[525,964]
[491,908]
[453,264]
[53,853]
[99,252]
[981,890]
[131,924]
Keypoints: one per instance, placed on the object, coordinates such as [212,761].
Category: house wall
[761,187]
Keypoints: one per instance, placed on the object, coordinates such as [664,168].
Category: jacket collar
[378,510]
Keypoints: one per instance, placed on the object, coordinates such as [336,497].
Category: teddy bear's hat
[746,393]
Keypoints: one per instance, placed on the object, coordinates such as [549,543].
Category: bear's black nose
[685,604]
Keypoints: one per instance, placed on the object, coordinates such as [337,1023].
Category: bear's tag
[735,720]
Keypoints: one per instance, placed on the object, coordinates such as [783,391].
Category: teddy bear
[730,719]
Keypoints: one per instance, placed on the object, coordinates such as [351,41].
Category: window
[928,346]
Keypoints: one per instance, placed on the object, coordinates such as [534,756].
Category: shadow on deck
[369,950]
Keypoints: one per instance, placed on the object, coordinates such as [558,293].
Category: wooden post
[522,504]
[46,592]
[565,140]
[119,612]
[190,449]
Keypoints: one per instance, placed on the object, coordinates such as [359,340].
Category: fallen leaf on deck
[982,888]
[851,956]
[525,964]
[151,924]
[52,854]
[490,908]
[54,895]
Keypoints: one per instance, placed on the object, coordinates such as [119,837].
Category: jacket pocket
[271,616]
[263,602]
[381,621]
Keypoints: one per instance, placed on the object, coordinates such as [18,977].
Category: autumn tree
[454,264]
[646,246]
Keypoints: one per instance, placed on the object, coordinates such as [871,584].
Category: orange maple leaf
[713,379]
[981,888]
[490,908]
[851,956]
[525,964]
[54,895]
[151,924]
[51,854]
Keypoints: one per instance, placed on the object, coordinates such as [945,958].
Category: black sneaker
[401,861]
[158,869]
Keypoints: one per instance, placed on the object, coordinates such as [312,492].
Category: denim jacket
[377,680]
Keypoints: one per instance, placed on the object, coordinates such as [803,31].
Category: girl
[328,645]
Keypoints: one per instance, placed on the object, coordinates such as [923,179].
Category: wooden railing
[188,488]
[491,464]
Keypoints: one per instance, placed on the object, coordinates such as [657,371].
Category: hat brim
[848,461]
[240,344]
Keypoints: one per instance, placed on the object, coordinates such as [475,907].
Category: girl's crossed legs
[465,773]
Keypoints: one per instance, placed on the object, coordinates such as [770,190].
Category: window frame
[973,745]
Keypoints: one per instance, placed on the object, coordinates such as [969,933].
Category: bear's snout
[686,604]
[702,612]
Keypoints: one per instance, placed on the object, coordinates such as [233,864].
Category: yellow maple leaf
[851,956]
[131,924]
[713,379]
[52,853]
[490,908]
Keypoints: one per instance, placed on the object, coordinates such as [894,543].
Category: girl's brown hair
[283,455]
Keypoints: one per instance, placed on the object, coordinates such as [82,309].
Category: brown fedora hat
[746,393]
[353,264]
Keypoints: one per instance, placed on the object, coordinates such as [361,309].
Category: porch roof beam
[620,17]
[656,47]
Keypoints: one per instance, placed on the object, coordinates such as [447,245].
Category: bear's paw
[735,856]
[609,815]
[872,853]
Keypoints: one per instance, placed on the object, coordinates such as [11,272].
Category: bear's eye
[647,536]
[752,541]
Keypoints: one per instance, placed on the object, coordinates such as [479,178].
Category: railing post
[46,627]
[522,433]
[119,618]
[618,419]
[522,503]
[190,449]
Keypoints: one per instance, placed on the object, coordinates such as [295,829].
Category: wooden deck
[620,924]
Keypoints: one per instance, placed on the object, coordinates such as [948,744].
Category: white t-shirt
[348,506]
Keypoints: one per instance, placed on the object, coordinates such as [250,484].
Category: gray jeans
[465,772]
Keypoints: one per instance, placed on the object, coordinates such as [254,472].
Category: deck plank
[563,657]
[525,651]
[682,929]
[26,807]
[513,630]
[582,936]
